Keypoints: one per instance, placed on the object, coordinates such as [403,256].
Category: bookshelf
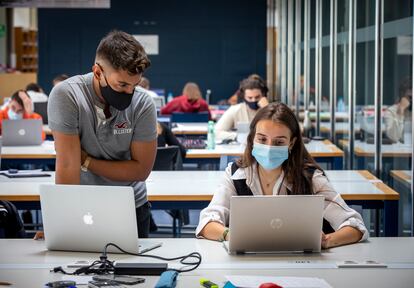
[25,47]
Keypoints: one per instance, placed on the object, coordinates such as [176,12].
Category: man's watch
[85,165]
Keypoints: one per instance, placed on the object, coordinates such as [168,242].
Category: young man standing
[104,125]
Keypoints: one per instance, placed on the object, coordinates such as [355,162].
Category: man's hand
[84,155]
[27,102]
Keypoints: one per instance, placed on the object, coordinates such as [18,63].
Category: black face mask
[118,100]
[252,105]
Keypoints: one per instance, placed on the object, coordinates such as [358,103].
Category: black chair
[11,225]
[169,159]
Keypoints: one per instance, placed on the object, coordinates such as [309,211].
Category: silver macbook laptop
[86,218]
[275,224]
[23,132]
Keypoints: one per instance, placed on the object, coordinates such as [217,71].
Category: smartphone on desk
[127,280]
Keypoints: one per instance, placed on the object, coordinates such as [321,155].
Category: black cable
[183,259]
[104,266]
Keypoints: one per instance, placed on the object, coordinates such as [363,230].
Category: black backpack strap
[240,184]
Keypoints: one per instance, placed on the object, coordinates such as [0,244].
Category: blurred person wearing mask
[19,107]
[104,124]
[252,93]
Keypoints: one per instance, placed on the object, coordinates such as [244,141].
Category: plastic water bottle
[341,105]
[170,97]
[211,137]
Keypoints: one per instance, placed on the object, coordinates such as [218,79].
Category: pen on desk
[3,283]
[208,284]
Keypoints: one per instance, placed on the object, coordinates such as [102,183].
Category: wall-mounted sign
[150,43]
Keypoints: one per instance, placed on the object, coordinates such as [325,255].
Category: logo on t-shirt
[122,128]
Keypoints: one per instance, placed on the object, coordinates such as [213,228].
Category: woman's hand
[263,102]
[325,240]
[40,235]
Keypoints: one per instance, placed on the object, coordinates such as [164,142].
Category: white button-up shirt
[336,211]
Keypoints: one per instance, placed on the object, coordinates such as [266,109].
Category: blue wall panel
[214,43]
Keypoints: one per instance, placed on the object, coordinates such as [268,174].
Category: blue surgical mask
[13,115]
[270,157]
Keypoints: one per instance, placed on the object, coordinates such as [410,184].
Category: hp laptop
[86,218]
[23,132]
[275,224]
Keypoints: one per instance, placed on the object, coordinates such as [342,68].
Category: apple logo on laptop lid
[88,219]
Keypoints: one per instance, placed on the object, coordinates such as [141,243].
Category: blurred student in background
[145,83]
[36,93]
[190,102]
[19,107]
[398,115]
[59,78]
[252,93]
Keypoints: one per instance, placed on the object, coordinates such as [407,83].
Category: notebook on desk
[86,218]
[276,224]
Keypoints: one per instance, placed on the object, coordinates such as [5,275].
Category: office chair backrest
[167,159]
[225,160]
[41,108]
[11,226]
[189,117]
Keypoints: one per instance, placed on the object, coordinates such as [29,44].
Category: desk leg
[391,218]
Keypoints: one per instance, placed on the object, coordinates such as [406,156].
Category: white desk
[363,149]
[195,189]
[26,263]
[44,151]
[201,185]
[404,176]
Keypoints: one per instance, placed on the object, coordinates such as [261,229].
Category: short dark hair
[123,52]
[34,87]
[254,81]
[61,77]
[17,98]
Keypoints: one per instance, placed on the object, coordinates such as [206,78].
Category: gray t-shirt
[72,109]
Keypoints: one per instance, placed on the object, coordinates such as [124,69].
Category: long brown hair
[298,168]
